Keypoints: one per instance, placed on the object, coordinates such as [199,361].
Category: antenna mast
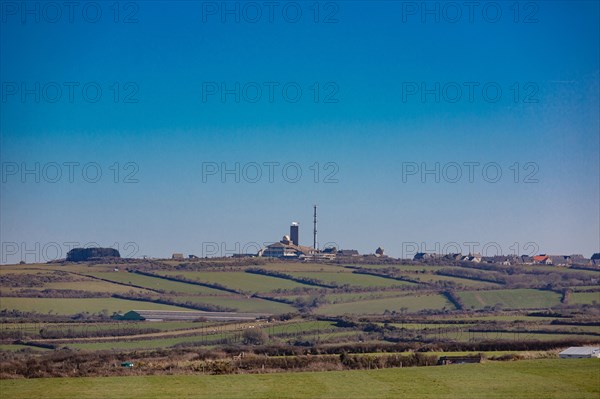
[315,229]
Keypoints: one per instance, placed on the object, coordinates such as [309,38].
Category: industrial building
[286,249]
[580,352]
[289,246]
[294,233]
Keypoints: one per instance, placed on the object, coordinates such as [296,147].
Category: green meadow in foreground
[547,379]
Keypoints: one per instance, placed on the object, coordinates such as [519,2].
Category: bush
[254,336]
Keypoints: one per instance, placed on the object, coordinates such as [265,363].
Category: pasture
[352,279]
[241,281]
[543,379]
[240,303]
[70,306]
[379,306]
[156,283]
[511,299]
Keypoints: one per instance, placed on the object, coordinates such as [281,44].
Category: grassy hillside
[69,306]
[412,304]
[511,299]
[371,306]
[544,379]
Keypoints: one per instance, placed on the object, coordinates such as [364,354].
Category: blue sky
[369,63]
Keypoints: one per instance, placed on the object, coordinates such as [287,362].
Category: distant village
[289,248]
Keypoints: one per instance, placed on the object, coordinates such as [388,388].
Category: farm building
[579,352]
[285,249]
[542,260]
[183,315]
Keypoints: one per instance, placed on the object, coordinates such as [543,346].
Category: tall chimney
[315,229]
[294,233]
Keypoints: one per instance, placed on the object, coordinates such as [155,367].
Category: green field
[156,283]
[552,269]
[585,298]
[11,348]
[501,317]
[240,303]
[210,334]
[543,379]
[464,336]
[146,343]
[352,279]
[462,281]
[69,306]
[241,281]
[303,267]
[361,296]
[378,306]
[511,299]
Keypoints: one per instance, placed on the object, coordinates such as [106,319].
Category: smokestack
[315,229]
[294,233]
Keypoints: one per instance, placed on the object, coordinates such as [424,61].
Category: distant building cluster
[289,248]
[542,259]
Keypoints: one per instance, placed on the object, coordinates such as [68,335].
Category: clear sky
[162,97]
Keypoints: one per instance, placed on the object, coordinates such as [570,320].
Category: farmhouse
[542,260]
[580,352]
[183,315]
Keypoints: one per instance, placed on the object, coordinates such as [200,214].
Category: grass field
[89,284]
[241,281]
[543,379]
[69,306]
[360,280]
[156,283]
[303,267]
[11,347]
[465,336]
[361,296]
[551,269]
[463,281]
[378,306]
[146,343]
[502,317]
[511,299]
[94,327]
[241,303]
[585,298]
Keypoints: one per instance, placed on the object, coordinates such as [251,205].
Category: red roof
[540,258]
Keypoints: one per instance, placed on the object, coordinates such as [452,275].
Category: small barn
[580,352]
